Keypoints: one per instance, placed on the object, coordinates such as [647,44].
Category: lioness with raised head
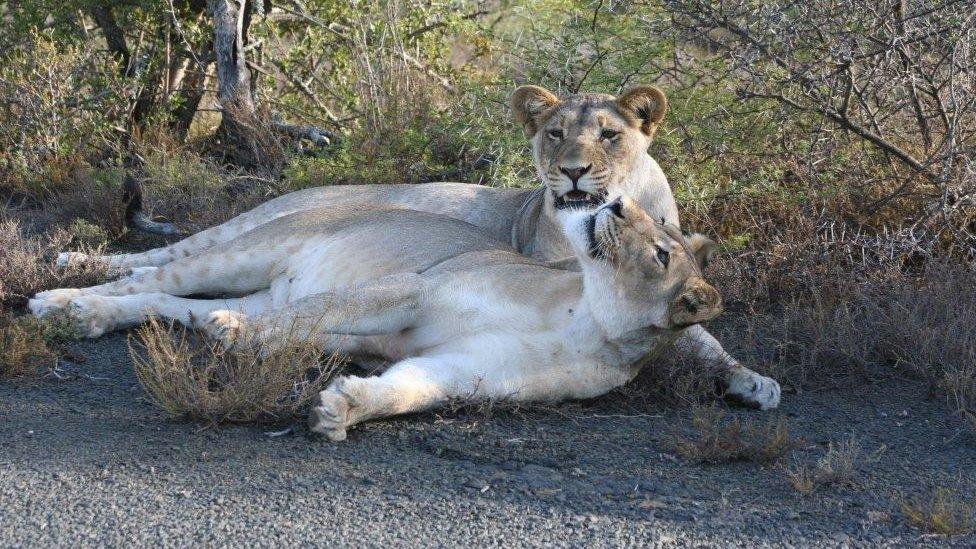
[460,314]
[586,148]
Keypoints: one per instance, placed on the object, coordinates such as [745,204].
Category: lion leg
[738,383]
[422,383]
[410,385]
[233,272]
[95,315]
[340,320]
[195,244]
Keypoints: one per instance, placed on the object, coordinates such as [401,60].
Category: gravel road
[87,462]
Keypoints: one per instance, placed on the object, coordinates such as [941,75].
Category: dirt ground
[87,461]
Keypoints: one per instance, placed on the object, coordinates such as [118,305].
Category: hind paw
[91,315]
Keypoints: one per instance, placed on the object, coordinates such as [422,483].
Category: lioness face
[586,146]
[652,264]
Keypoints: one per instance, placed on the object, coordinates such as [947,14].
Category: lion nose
[575,173]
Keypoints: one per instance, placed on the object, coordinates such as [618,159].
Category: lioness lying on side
[460,314]
[586,148]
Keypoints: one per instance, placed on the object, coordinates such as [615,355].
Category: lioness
[585,148]
[461,314]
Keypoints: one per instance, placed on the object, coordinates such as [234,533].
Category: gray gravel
[88,462]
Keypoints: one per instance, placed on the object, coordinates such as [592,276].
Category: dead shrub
[944,512]
[27,263]
[716,439]
[25,349]
[672,377]
[838,466]
[801,477]
[200,380]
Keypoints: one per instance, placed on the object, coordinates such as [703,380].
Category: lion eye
[609,135]
[663,256]
[555,134]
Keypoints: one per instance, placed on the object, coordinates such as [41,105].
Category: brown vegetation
[27,263]
[715,438]
[201,380]
[837,467]
[944,511]
[25,351]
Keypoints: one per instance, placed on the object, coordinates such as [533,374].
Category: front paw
[745,387]
[227,327]
[330,411]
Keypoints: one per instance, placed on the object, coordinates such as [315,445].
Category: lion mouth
[579,199]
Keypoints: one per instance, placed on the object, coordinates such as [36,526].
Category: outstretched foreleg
[738,383]
[422,383]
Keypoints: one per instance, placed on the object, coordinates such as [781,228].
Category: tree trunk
[233,76]
[114,37]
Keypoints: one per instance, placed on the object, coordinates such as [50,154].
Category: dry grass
[944,512]
[838,466]
[891,322]
[801,477]
[25,349]
[200,380]
[714,438]
[27,264]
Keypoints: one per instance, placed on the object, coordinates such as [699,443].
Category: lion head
[586,146]
[646,270]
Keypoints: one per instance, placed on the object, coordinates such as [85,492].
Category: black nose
[575,173]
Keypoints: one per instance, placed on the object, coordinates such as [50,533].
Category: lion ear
[704,249]
[529,103]
[648,104]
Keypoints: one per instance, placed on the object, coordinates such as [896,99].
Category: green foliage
[59,104]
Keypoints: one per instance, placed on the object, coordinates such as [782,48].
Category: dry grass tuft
[717,439]
[839,466]
[200,380]
[801,477]
[27,264]
[26,352]
[944,512]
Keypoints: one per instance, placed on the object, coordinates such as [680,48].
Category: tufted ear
[703,247]
[648,104]
[529,103]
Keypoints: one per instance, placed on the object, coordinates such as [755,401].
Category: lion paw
[751,389]
[330,411]
[91,315]
[225,327]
